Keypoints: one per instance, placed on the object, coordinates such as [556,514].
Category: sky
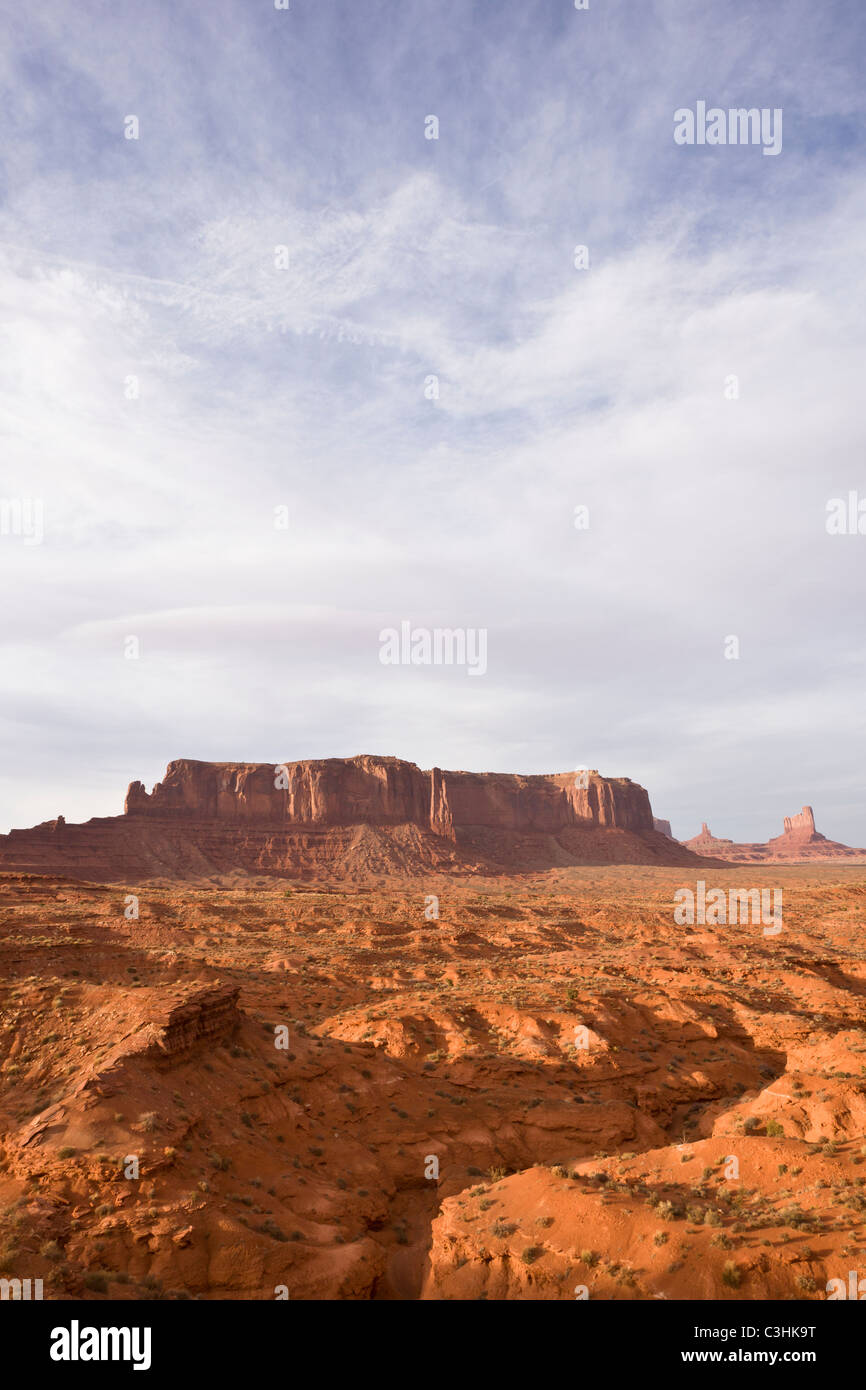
[284,372]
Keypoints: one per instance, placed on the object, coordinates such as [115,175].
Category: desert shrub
[792,1216]
[732,1275]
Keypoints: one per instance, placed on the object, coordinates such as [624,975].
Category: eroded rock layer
[799,841]
[349,818]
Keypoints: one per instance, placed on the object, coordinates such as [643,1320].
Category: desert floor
[616,1106]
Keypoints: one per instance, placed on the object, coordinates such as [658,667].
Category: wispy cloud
[169,380]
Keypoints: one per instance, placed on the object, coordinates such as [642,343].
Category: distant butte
[799,841]
[350,818]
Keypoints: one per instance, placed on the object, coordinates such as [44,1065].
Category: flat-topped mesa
[322,792]
[663,827]
[386,791]
[350,819]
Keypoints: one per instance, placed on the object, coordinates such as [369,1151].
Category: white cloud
[304,387]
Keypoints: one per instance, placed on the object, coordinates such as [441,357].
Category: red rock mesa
[349,817]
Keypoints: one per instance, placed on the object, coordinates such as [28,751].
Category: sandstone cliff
[349,817]
[802,825]
[385,791]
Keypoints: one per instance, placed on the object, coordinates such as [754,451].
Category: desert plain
[533,1085]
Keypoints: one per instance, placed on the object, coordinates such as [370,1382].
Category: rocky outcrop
[211,1016]
[350,817]
[329,791]
[799,841]
[441,819]
[707,843]
[802,825]
[386,791]
[663,827]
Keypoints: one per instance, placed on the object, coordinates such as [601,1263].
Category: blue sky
[304,387]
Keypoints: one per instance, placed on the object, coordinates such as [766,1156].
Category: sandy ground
[260,1088]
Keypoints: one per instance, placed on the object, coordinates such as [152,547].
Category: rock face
[385,791]
[663,827]
[799,840]
[356,816]
[802,825]
[332,791]
[708,843]
[211,1016]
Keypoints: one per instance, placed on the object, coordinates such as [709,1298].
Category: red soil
[603,1168]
